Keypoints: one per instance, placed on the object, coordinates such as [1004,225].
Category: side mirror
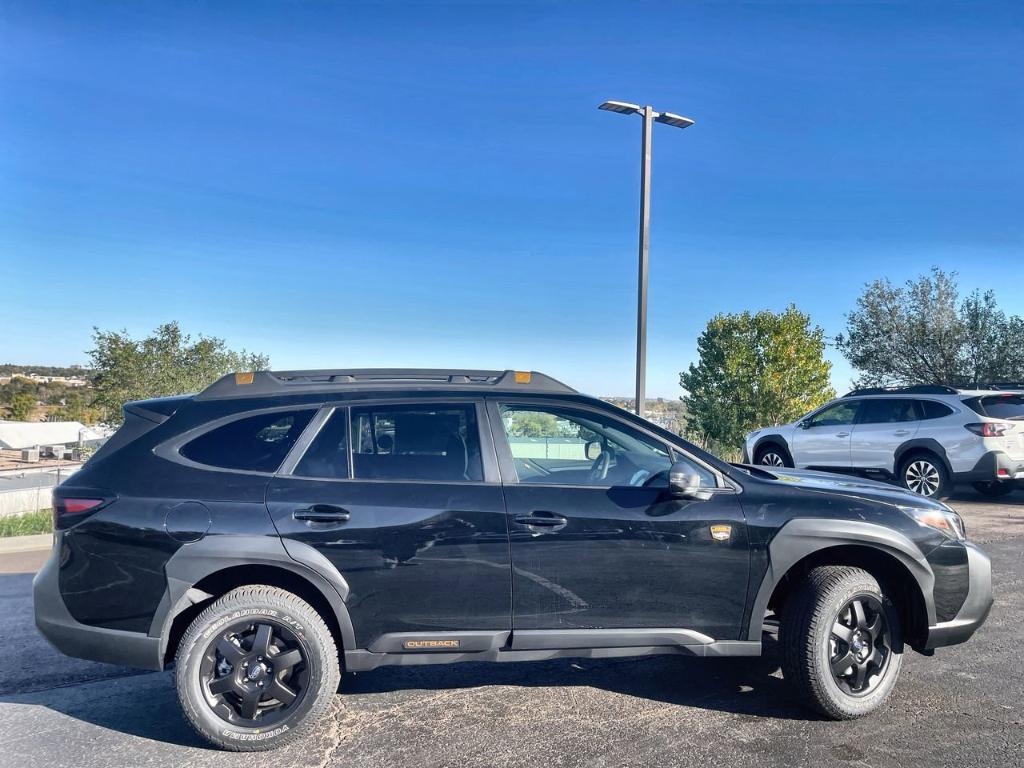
[592,450]
[684,483]
[805,424]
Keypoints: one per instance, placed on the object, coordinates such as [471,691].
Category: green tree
[754,370]
[924,333]
[77,406]
[21,406]
[168,362]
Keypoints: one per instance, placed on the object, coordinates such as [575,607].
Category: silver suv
[926,438]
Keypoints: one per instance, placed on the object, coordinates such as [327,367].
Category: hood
[847,485]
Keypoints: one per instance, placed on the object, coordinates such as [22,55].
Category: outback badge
[721,532]
[430,645]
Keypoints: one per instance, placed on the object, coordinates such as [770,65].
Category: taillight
[68,510]
[990,428]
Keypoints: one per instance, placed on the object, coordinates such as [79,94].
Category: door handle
[842,434]
[543,520]
[322,513]
[902,432]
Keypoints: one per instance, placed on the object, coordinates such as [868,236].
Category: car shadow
[1014,499]
[144,705]
[748,686]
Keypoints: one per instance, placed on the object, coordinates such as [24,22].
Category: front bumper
[975,609]
[72,638]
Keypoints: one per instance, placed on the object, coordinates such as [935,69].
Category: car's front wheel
[256,669]
[840,640]
[772,456]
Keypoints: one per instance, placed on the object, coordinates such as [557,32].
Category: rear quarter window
[931,409]
[256,443]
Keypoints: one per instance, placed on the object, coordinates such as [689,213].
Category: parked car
[278,528]
[926,438]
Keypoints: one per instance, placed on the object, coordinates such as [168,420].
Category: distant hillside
[6,369]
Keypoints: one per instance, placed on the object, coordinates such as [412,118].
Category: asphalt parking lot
[963,707]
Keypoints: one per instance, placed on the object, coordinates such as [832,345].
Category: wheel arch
[200,573]
[773,439]
[920,445]
[885,553]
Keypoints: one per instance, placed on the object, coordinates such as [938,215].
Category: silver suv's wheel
[925,475]
[770,456]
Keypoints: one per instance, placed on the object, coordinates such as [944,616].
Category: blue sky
[384,184]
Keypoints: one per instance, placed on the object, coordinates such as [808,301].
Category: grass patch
[27,523]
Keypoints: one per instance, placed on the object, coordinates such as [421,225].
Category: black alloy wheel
[860,645]
[841,641]
[256,669]
[255,673]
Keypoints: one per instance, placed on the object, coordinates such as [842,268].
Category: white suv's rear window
[1008,406]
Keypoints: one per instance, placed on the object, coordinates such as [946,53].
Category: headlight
[945,521]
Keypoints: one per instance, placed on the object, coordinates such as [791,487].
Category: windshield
[1008,406]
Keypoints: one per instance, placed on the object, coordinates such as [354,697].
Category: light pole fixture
[649,118]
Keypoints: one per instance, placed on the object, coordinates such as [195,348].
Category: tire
[995,489]
[821,604]
[772,455]
[220,671]
[926,475]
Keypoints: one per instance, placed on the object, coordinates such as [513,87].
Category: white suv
[927,438]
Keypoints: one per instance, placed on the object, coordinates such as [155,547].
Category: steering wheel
[599,470]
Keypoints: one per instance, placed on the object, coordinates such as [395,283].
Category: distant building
[19,435]
[67,381]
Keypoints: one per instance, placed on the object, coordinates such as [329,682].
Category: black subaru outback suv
[278,528]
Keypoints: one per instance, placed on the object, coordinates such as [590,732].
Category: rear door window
[887,411]
[256,443]
[438,443]
[327,455]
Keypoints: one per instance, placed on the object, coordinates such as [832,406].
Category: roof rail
[917,389]
[263,383]
[1000,385]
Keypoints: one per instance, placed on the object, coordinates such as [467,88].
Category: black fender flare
[775,439]
[801,537]
[194,562]
[924,444]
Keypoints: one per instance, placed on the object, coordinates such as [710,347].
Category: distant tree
[168,362]
[77,406]
[537,424]
[754,370]
[21,406]
[923,333]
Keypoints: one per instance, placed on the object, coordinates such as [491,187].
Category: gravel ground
[961,707]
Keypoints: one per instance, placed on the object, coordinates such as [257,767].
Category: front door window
[565,447]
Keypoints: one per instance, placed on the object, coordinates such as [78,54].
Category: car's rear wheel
[925,475]
[772,456]
[841,643]
[256,669]
[994,489]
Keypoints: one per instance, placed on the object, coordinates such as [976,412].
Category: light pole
[649,118]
